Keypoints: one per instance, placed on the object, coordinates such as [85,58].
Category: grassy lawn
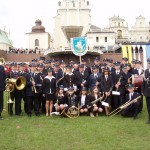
[83,133]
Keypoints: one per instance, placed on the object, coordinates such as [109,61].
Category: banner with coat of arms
[79,46]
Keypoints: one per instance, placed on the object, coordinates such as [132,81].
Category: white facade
[73,20]
[38,40]
[119,26]
[97,38]
[140,31]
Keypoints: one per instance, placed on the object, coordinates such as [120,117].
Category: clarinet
[95,101]
[110,90]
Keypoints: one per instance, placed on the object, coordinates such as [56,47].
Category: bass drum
[137,80]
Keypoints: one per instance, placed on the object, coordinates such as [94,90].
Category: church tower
[73,20]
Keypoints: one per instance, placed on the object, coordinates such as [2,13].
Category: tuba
[19,83]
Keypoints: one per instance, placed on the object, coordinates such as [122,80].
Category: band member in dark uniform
[97,107]
[110,65]
[49,89]
[131,110]
[15,94]
[94,79]
[106,87]
[84,101]
[87,69]
[124,62]
[33,83]
[2,87]
[60,99]
[146,88]
[69,79]
[120,80]
[41,98]
[58,74]
[23,73]
[71,99]
[81,77]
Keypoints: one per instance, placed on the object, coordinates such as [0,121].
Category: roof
[4,39]
[93,27]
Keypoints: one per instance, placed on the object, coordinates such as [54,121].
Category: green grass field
[83,133]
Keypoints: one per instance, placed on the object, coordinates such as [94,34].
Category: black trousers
[32,101]
[1,101]
[131,110]
[148,106]
[117,100]
[16,97]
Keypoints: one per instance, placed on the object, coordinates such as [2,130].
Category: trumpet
[33,87]
[125,105]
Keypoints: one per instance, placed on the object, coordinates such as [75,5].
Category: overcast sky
[19,16]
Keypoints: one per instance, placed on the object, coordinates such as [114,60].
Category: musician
[139,67]
[146,88]
[110,65]
[107,84]
[131,110]
[62,66]
[120,80]
[81,77]
[84,101]
[41,98]
[58,74]
[16,94]
[2,87]
[71,99]
[41,60]
[33,86]
[139,72]
[47,64]
[129,68]
[87,69]
[49,89]
[97,62]
[124,62]
[60,99]
[102,67]
[96,108]
[69,79]
[23,73]
[134,69]
[94,79]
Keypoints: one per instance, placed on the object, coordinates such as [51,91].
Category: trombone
[125,105]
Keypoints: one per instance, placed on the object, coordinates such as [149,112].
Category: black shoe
[148,122]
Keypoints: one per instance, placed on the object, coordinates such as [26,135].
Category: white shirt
[130,95]
[83,100]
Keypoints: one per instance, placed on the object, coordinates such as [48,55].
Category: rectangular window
[105,39]
[97,39]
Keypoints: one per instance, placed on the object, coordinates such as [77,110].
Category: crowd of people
[23,51]
[55,86]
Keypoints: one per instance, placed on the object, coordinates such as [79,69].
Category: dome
[4,39]
[38,26]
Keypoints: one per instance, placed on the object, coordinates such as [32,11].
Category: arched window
[119,34]
[36,42]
